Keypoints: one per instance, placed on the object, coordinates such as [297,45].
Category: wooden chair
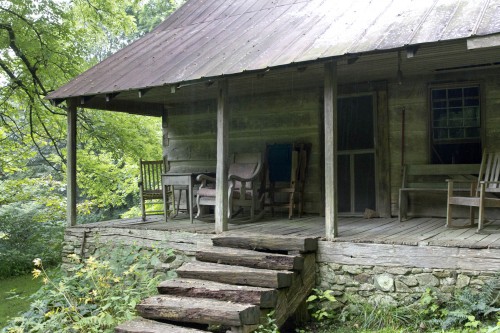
[286,166]
[244,172]
[483,192]
[150,186]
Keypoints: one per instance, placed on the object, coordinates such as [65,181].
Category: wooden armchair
[150,189]
[244,172]
[483,192]
[286,165]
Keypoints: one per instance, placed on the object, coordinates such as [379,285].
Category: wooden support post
[165,140]
[221,187]
[71,164]
[331,193]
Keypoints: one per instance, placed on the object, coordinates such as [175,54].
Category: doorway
[356,154]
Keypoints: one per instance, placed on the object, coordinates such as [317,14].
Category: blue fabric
[279,158]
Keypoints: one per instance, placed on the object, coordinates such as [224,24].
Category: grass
[14,295]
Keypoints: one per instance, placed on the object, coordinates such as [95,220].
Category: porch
[420,231]
[371,258]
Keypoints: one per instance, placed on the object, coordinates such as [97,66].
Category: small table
[179,179]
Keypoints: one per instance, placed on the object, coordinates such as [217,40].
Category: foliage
[269,326]
[320,304]
[469,310]
[23,237]
[44,44]
[99,293]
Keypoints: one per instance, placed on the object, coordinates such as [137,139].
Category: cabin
[377,88]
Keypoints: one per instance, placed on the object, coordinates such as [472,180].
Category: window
[456,124]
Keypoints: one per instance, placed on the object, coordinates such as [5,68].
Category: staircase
[232,285]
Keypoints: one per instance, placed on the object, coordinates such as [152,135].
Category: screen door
[356,154]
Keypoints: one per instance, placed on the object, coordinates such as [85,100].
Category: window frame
[431,127]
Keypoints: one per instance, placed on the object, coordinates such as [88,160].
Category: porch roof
[209,39]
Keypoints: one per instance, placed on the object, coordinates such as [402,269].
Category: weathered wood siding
[295,115]
[290,116]
[413,95]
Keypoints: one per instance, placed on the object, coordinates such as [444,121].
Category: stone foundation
[394,274]
[394,285]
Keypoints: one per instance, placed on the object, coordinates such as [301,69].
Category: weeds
[468,311]
[99,293]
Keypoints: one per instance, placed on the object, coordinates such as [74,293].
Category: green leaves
[100,292]
[43,45]
[320,304]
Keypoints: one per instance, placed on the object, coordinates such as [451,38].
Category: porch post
[330,96]
[221,187]
[71,164]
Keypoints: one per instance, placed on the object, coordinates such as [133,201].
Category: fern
[470,307]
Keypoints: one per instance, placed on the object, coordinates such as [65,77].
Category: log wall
[412,95]
[295,115]
[287,116]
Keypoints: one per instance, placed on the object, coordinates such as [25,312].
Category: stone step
[236,274]
[249,258]
[264,297]
[267,243]
[141,325]
[198,310]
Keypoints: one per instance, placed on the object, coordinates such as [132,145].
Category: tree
[43,44]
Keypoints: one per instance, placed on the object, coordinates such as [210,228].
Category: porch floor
[422,231]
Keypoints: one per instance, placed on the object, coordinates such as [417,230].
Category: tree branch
[13,45]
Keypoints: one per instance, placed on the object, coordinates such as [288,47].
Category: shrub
[96,295]
[23,237]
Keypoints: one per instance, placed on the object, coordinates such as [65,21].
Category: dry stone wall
[394,285]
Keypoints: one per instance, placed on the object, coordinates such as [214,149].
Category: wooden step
[198,310]
[249,258]
[264,297]
[141,325]
[267,243]
[236,274]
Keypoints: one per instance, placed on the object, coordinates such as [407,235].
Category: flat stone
[398,270]
[410,280]
[379,270]
[352,269]
[442,274]
[476,282]
[402,288]
[365,293]
[363,278]
[366,287]
[337,287]
[462,281]
[449,281]
[447,289]
[384,282]
[334,267]
[427,280]
[337,293]
[345,279]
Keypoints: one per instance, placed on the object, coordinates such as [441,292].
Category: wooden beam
[71,163]
[330,96]
[129,106]
[221,187]
[109,97]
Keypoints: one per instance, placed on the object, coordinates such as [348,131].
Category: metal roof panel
[210,38]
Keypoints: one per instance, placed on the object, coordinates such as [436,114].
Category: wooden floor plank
[414,231]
